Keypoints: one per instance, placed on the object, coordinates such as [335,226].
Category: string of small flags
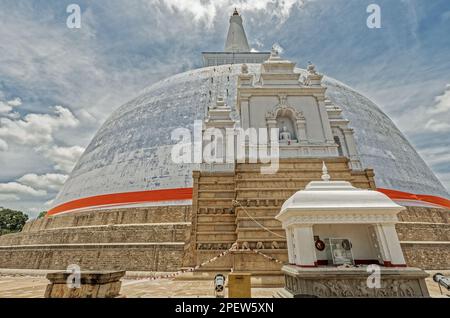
[273,259]
[182,271]
[234,247]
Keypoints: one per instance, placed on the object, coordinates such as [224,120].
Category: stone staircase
[260,198]
[214,225]
[251,220]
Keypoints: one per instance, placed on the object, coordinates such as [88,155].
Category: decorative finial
[325,175]
[274,52]
[311,68]
[244,68]
[235,12]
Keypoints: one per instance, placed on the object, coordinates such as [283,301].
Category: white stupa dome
[131,153]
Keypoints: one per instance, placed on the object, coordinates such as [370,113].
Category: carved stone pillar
[305,255]
[290,245]
[301,130]
[326,127]
[245,112]
[351,146]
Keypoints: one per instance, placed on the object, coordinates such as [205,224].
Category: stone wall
[102,234]
[424,235]
[423,232]
[424,215]
[427,255]
[139,257]
[143,239]
[156,214]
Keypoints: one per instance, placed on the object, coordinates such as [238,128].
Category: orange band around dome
[186,194]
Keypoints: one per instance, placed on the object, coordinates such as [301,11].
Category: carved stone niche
[292,123]
[353,282]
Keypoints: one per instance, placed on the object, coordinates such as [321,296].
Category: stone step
[261,201]
[275,179]
[215,236]
[215,210]
[257,211]
[268,184]
[216,194]
[225,218]
[267,221]
[265,194]
[314,166]
[266,188]
[293,173]
[257,233]
[216,226]
[216,187]
[216,202]
[215,182]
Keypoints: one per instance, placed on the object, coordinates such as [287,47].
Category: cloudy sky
[57,85]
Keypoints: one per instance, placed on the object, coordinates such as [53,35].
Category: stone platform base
[92,285]
[352,282]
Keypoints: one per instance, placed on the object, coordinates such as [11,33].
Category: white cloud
[6,107]
[437,126]
[18,189]
[36,129]
[207,10]
[3,145]
[49,181]
[64,158]
[442,102]
[8,197]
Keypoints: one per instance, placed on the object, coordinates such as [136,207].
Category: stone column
[389,245]
[351,146]
[304,253]
[271,123]
[245,113]
[326,127]
[301,130]
[393,245]
[290,245]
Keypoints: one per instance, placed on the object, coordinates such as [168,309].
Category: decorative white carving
[322,218]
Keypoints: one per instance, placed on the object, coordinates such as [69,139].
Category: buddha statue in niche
[285,135]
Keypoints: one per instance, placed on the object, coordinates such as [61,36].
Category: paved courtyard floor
[20,285]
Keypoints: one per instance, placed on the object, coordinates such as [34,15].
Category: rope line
[262,226]
[234,247]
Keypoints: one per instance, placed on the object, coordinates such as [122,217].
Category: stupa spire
[236,39]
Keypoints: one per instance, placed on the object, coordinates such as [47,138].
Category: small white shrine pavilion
[334,223]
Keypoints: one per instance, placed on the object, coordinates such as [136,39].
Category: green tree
[11,221]
[42,214]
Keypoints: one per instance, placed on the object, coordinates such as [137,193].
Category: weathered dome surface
[132,150]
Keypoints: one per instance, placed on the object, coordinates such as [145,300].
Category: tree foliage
[42,214]
[11,221]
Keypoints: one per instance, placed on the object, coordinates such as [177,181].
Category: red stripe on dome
[399,195]
[124,198]
[186,194]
